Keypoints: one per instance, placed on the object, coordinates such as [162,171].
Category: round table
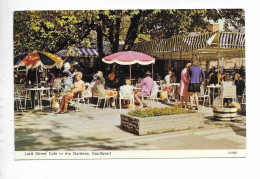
[38,96]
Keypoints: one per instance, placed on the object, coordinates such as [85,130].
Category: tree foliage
[54,30]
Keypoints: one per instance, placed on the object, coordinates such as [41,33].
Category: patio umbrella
[41,59]
[18,59]
[129,58]
[44,59]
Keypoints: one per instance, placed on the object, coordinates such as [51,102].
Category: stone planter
[161,124]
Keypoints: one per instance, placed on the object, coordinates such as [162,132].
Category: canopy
[202,47]
[82,52]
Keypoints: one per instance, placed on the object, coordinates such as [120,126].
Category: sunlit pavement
[97,129]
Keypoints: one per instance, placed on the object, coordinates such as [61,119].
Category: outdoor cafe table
[213,87]
[38,96]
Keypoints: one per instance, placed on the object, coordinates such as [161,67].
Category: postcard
[158,83]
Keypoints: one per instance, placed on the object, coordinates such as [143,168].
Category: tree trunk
[114,30]
[100,44]
[133,28]
[117,30]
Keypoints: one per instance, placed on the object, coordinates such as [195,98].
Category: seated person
[93,85]
[110,82]
[147,85]
[226,81]
[173,78]
[67,84]
[110,86]
[168,77]
[102,79]
[77,88]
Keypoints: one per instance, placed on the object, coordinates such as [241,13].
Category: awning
[82,52]
[204,46]
[62,53]
[78,52]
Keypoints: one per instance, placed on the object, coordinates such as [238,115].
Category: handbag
[163,95]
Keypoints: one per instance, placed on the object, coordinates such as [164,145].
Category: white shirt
[168,79]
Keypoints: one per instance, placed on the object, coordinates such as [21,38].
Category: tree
[54,30]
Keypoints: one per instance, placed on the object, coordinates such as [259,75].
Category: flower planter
[161,124]
[225,113]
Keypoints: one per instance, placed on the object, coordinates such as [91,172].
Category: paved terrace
[97,129]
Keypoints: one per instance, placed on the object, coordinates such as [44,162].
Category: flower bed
[152,112]
[161,120]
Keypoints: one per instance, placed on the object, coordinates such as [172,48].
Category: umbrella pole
[130,74]
[152,70]
[37,78]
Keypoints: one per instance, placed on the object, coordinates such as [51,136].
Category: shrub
[152,112]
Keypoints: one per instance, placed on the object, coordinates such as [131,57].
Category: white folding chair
[101,95]
[126,93]
[228,92]
[203,94]
[18,101]
[154,94]
[20,88]
[77,99]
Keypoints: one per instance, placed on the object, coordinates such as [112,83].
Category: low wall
[161,124]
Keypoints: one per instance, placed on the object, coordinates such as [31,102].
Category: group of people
[191,78]
[73,86]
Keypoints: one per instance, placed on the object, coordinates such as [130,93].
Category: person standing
[184,84]
[32,81]
[240,86]
[197,75]
[147,85]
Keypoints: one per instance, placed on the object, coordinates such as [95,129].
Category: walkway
[97,129]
